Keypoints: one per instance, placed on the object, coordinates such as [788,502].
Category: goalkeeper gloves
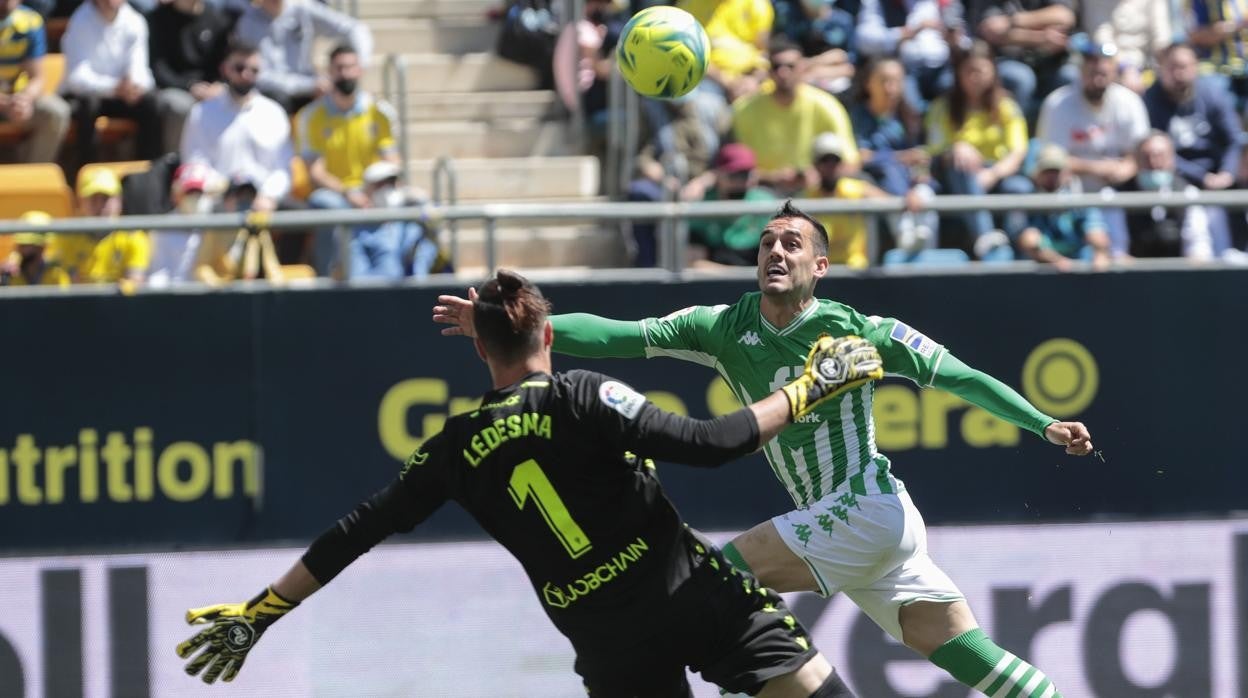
[235,628]
[833,366]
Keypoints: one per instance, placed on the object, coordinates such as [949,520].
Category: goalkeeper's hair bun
[509,314]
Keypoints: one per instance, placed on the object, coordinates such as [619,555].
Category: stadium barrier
[250,415]
[1152,609]
[493,213]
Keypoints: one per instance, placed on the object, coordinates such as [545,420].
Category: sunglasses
[244,69]
[778,66]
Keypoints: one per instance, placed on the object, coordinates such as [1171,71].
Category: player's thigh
[846,540]
[740,635]
[772,561]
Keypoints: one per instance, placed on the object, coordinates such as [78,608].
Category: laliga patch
[621,398]
[916,340]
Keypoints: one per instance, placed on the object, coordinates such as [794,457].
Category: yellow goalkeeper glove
[833,366]
[235,629]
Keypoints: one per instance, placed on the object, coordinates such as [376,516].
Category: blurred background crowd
[109,108]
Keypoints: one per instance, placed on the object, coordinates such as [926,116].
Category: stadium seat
[36,186]
[933,258]
[300,182]
[53,72]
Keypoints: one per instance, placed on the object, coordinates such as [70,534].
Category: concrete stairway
[508,140]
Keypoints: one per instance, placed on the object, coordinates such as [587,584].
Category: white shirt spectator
[286,42]
[251,140]
[1111,131]
[875,38]
[98,54]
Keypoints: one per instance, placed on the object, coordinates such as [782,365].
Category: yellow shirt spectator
[738,30]
[994,138]
[781,137]
[847,232]
[347,141]
[89,259]
[33,246]
[50,275]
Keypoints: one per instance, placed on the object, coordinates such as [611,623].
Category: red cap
[194,176]
[735,157]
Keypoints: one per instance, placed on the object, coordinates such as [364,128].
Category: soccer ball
[662,52]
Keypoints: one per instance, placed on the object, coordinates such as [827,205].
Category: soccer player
[854,528]
[541,465]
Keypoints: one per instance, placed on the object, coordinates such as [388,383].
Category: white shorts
[872,547]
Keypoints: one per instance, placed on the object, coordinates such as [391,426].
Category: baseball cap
[735,157]
[828,143]
[99,181]
[1051,157]
[195,176]
[380,171]
[1085,45]
[38,218]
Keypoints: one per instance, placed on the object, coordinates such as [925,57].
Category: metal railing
[493,213]
[394,87]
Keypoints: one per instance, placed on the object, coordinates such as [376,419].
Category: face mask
[388,197]
[240,89]
[1155,180]
[346,86]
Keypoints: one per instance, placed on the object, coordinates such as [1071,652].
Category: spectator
[724,240]
[847,232]
[1199,118]
[188,41]
[1139,28]
[284,32]
[678,149]
[888,132]
[241,133]
[29,266]
[738,30]
[394,249]
[1217,30]
[915,31]
[1097,121]
[107,74]
[780,125]
[824,29]
[339,135]
[1160,231]
[23,44]
[119,256]
[1031,36]
[1061,236]
[978,139]
[174,252]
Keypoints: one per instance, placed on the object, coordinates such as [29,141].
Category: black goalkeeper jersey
[542,466]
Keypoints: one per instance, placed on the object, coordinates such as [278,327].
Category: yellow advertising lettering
[31,475]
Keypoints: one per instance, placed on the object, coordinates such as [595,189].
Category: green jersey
[831,450]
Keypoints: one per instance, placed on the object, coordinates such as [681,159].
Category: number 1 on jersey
[528,480]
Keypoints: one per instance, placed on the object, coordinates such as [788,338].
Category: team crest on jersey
[914,339]
[621,398]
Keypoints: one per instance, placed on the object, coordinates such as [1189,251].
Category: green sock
[733,556]
[976,661]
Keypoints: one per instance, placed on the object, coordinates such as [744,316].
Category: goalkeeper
[540,466]
[854,528]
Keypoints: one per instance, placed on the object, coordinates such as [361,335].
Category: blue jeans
[955,181]
[324,251]
[382,251]
[923,84]
[644,231]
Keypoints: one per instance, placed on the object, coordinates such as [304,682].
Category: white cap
[380,171]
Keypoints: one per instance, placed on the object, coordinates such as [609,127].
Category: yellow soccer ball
[663,52]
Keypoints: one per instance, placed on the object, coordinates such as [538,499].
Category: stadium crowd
[853,99]
[220,105]
[223,108]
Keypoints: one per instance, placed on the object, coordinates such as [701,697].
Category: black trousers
[148,142]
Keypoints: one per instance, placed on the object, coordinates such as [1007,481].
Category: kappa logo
[750,339]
